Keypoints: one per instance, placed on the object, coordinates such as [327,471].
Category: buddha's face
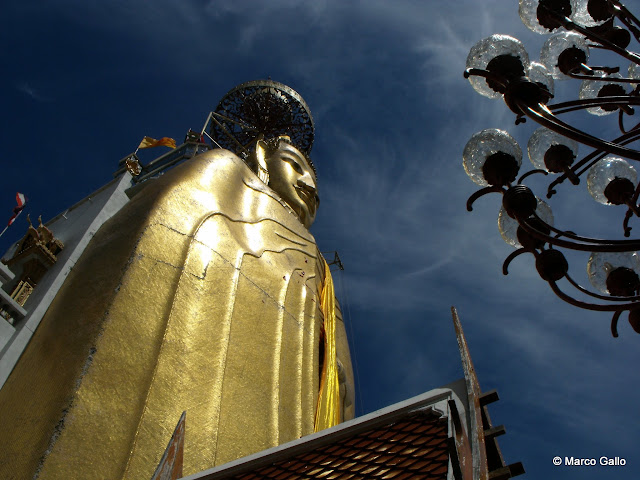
[291,176]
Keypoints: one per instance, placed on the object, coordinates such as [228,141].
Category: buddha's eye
[295,166]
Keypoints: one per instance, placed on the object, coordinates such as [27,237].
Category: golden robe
[201,294]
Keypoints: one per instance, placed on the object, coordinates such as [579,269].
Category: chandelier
[499,67]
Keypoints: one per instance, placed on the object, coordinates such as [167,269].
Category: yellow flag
[148,142]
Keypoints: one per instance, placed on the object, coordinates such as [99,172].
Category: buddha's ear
[261,161]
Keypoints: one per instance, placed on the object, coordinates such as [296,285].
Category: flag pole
[136,151]
[12,220]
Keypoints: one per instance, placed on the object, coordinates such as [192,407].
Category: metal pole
[14,219]
[204,127]
[210,137]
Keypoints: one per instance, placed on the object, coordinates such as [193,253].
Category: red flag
[21,200]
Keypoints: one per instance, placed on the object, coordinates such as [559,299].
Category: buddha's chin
[308,221]
[304,216]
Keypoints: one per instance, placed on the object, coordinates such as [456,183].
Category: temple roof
[404,441]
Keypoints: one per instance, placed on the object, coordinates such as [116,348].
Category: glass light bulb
[602,264]
[538,73]
[489,49]
[559,43]
[604,172]
[583,13]
[542,140]
[601,88]
[509,227]
[535,18]
[484,144]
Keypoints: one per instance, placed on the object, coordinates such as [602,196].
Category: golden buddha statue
[203,294]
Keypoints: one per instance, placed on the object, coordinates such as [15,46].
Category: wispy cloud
[32,92]
[392,113]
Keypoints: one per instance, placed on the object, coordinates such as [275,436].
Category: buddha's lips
[307,194]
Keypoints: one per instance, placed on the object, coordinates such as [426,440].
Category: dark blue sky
[83,82]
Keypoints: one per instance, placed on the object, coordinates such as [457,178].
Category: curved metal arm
[600,296]
[616,309]
[621,120]
[578,242]
[494,77]
[480,193]
[589,306]
[509,259]
[581,76]
[621,125]
[546,118]
[573,105]
[532,172]
[614,323]
[589,160]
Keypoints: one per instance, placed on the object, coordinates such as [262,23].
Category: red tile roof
[413,447]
